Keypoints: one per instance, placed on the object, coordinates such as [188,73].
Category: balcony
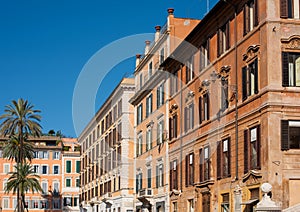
[146,192]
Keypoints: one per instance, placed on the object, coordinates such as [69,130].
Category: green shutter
[68,166]
[77,166]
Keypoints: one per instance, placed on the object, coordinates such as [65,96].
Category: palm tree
[12,149]
[20,120]
[22,180]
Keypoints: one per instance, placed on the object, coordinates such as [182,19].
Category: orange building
[150,101]
[47,162]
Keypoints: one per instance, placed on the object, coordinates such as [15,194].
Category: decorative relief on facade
[189,96]
[251,53]
[252,178]
[173,108]
[292,42]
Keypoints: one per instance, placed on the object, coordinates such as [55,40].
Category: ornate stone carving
[292,42]
[251,52]
[252,177]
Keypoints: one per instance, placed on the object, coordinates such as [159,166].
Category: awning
[250,202]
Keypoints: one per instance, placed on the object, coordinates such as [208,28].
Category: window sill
[204,183]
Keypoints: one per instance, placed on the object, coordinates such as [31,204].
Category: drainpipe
[181,126]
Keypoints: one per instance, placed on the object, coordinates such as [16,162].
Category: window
[290,9]
[160,132]
[150,67]
[149,178]
[6,168]
[223,158]
[225,205]
[68,182]
[149,138]
[175,206]
[36,169]
[250,16]
[160,95]
[55,188]
[45,155]
[173,175]
[115,115]
[224,94]
[223,37]
[56,155]
[174,83]
[159,175]
[189,169]
[204,55]
[77,182]
[173,126]
[206,202]
[56,204]
[68,166]
[162,56]
[78,166]
[250,79]
[5,203]
[204,164]
[139,145]
[141,80]
[290,69]
[189,70]
[139,182]
[120,108]
[55,169]
[204,107]
[44,169]
[140,113]
[119,132]
[191,206]
[36,154]
[67,201]
[290,134]
[149,105]
[252,148]
[45,187]
[189,117]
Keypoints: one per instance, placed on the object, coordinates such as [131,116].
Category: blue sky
[45,44]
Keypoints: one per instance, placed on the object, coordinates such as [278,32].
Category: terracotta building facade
[234,108]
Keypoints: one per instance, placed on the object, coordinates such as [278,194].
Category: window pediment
[292,42]
[251,53]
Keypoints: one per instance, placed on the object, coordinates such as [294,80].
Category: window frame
[249,144]
[250,79]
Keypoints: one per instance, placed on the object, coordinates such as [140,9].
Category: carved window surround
[251,53]
[291,43]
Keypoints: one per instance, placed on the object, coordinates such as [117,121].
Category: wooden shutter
[186,170]
[201,165]
[256,76]
[246,19]
[200,109]
[227,35]
[246,166]
[256,13]
[137,184]
[208,161]
[171,176]
[157,176]
[208,50]
[208,106]
[193,170]
[219,38]
[162,176]
[219,161]
[185,118]
[175,126]
[202,57]
[157,97]
[170,129]
[284,8]
[258,147]
[244,82]
[163,93]
[284,135]
[285,69]
[229,157]
[192,116]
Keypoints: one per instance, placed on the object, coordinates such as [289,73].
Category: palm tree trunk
[19,163]
[23,201]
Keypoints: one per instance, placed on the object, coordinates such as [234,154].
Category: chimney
[157,32]
[137,60]
[147,46]
[171,11]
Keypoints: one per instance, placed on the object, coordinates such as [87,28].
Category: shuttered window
[223,158]
[223,37]
[189,117]
[252,149]
[250,16]
[204,166]
[204,55]
[290,134]
[204,107]
[290,69]
[189,169]
[250,79]
[290,9]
